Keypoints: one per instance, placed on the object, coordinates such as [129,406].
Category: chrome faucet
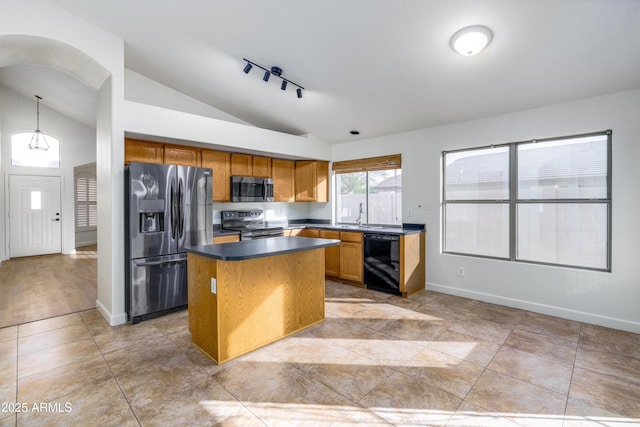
[360,212]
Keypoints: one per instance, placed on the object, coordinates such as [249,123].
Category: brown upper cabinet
[241,164]
[261,166]
[136,150]
[282,172]
[182,155]
[220,163]
[312,181]
[248,165]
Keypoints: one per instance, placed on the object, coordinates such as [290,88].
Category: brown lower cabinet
[346,262]
[331,254]
[351,257]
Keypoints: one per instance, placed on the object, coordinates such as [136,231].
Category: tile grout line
[111,372]
[573,370]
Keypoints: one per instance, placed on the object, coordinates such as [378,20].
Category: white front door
[35,219]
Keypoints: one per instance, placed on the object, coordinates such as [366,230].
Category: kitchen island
[247,294]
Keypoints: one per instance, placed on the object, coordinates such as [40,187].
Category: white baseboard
[565,313]
[114,320]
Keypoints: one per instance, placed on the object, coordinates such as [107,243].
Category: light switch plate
[214,286]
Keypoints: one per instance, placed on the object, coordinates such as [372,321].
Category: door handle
[57,219]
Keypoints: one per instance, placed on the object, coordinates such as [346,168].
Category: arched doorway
[17,50]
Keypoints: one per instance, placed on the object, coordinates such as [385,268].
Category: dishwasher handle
[388,237]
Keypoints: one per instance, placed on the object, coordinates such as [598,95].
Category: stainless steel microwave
[251,189]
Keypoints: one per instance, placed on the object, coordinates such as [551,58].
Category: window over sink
[369,191]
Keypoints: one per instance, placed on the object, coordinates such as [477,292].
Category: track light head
[276,71]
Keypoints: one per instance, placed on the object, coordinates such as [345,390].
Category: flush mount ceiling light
[471,40]
[38,141]
[268,72]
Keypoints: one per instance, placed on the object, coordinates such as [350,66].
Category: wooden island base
[256,301]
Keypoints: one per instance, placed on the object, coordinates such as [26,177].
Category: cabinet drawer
[329,234]
[351,236]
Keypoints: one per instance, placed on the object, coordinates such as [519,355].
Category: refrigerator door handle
[173,212]
[180,208]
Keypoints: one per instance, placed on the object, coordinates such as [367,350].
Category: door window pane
[563,169]
[572,234]
[477,228]
[478,174]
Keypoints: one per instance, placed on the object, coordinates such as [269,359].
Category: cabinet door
[305,179]
[182,155]
[142,151]
[312,181]
[220,164]
[310,232]
[241,165]
[261,166]
[282,172]
[331,254]
[351,261]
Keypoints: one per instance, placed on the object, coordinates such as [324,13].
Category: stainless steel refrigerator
[167,208]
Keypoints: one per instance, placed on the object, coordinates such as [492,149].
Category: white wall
[77,147]
[609,299]
[141,89]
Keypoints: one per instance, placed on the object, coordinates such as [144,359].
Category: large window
[369,191]
[537,201]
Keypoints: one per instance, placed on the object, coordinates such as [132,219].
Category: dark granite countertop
[250,249]
[405,229]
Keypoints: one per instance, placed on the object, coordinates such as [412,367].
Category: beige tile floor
[39,287]
[376,360]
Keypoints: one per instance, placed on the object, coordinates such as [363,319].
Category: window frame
[367,165]
[514,201]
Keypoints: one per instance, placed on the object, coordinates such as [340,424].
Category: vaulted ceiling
[376,66]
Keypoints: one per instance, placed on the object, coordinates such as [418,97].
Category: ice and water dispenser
[151,213]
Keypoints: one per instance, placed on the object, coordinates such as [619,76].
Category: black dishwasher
[382,262]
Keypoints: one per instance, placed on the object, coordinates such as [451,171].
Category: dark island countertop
[250,249]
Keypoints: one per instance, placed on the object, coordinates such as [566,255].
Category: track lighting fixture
[276,71]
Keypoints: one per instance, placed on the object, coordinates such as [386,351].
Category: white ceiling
[378,66]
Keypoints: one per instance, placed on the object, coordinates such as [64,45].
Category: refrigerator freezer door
[196,212]
[157,284]
[150,210]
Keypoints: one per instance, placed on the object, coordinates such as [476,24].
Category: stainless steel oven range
[250,223]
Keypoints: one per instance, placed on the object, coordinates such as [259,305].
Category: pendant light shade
[38,141]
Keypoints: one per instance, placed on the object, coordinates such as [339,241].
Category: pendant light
[38,141]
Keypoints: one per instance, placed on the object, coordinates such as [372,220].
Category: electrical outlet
[461,271]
